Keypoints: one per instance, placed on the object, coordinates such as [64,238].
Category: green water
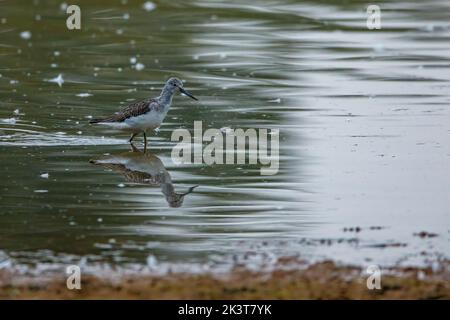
[363,118]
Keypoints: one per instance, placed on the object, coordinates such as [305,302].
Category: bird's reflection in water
[144,168]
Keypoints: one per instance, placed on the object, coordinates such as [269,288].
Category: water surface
[363,118]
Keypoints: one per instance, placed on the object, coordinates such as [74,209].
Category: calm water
[363,115]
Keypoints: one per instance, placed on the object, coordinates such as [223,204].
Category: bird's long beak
[187,93]
[190,190]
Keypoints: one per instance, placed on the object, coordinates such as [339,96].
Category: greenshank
[142,116]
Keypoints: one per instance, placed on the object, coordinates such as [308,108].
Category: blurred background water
[363,117]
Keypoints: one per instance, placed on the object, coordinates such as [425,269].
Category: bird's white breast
[149,121]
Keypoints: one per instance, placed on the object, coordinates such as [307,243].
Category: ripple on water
[30,138]
[363,119]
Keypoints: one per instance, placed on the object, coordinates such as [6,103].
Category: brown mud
[324,280]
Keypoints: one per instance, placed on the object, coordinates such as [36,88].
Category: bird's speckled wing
[133,110]
[132,175]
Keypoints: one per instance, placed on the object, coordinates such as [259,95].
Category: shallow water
[363,118]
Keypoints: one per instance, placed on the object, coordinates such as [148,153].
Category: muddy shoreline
[324,280]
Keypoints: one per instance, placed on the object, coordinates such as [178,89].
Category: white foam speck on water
[13,81]
[84,95]
[41,191]
[104,246]
[275,100]
[126,16]
[152,262]
[44,175]
[149,6]
[63,6]
[58,80]
[5,262]
[133,60]
[56,53]
[26,35]
[140,66]
[121,185]
[17,112]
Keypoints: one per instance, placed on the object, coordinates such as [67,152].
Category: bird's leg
[133,148]
[145,142]
[132,137]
